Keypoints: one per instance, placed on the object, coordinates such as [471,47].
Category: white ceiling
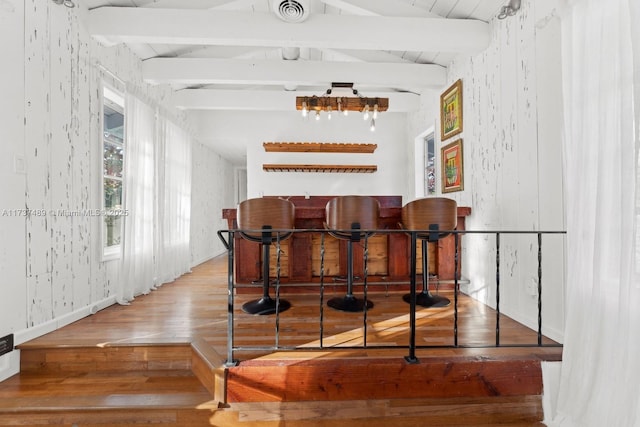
[241,55]
[219,53]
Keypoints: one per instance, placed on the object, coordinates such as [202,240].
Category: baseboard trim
[206,258]
[64,320]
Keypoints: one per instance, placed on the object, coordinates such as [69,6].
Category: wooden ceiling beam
[215,27]
[193,71]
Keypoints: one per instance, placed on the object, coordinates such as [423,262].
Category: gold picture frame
[451,111]
[451,165]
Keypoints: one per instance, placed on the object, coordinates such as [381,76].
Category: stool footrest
[265,305]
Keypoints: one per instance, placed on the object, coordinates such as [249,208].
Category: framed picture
[451,111]
[451,166]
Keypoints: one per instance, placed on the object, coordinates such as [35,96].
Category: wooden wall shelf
[320,168]
[318,147]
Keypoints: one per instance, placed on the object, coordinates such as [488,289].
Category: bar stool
[352,213]
[432,214]
[265,214]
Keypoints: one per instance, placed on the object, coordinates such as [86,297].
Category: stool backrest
[420,213]
[254,214]
[343,211]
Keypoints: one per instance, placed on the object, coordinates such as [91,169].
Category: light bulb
[317,114]
[366,112]
[328,112]
[375,111]
[373,125]
[305,111]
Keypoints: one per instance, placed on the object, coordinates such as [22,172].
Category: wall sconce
[369,107]
[68,3]
[509,9]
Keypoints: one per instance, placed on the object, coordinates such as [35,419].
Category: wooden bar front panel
[388,256]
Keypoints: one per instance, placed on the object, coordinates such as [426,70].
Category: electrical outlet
[6,344]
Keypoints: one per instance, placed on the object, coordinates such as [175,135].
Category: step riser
[137,416]
[128,358]
[381,379]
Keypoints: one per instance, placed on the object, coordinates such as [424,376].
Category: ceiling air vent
[291,10]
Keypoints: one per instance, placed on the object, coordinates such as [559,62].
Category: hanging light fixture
[369,107]
[365,112]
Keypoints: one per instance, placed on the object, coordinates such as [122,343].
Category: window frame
[430,163]
[114,96]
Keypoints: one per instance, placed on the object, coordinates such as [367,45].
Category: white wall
[513,163]
[392,155]
[212,185]
[51,267]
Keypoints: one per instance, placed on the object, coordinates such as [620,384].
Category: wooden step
[165,397]
[168,383]
[478,412]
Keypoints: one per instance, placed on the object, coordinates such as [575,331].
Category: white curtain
[174,201]
[137,275]
[600,374]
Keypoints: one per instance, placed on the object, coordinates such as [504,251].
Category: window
[113,157]
[429,165]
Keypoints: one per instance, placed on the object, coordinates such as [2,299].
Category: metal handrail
[411,346]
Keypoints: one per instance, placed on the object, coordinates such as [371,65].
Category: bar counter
[388,256]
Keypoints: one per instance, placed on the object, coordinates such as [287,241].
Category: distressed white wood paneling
[61,173]
[83,175]
[61,258]
[13,283]
[512,135]
[548,53]
[37,137]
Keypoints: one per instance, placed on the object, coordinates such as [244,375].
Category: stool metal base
[265,305]
[426,299]
[349,303]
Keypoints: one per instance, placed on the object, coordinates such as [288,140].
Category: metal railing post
[497,289]
[230,291]
[539,289]
[322,290]
[455,291]
[411,358]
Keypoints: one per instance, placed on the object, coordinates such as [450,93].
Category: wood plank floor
[193,309]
